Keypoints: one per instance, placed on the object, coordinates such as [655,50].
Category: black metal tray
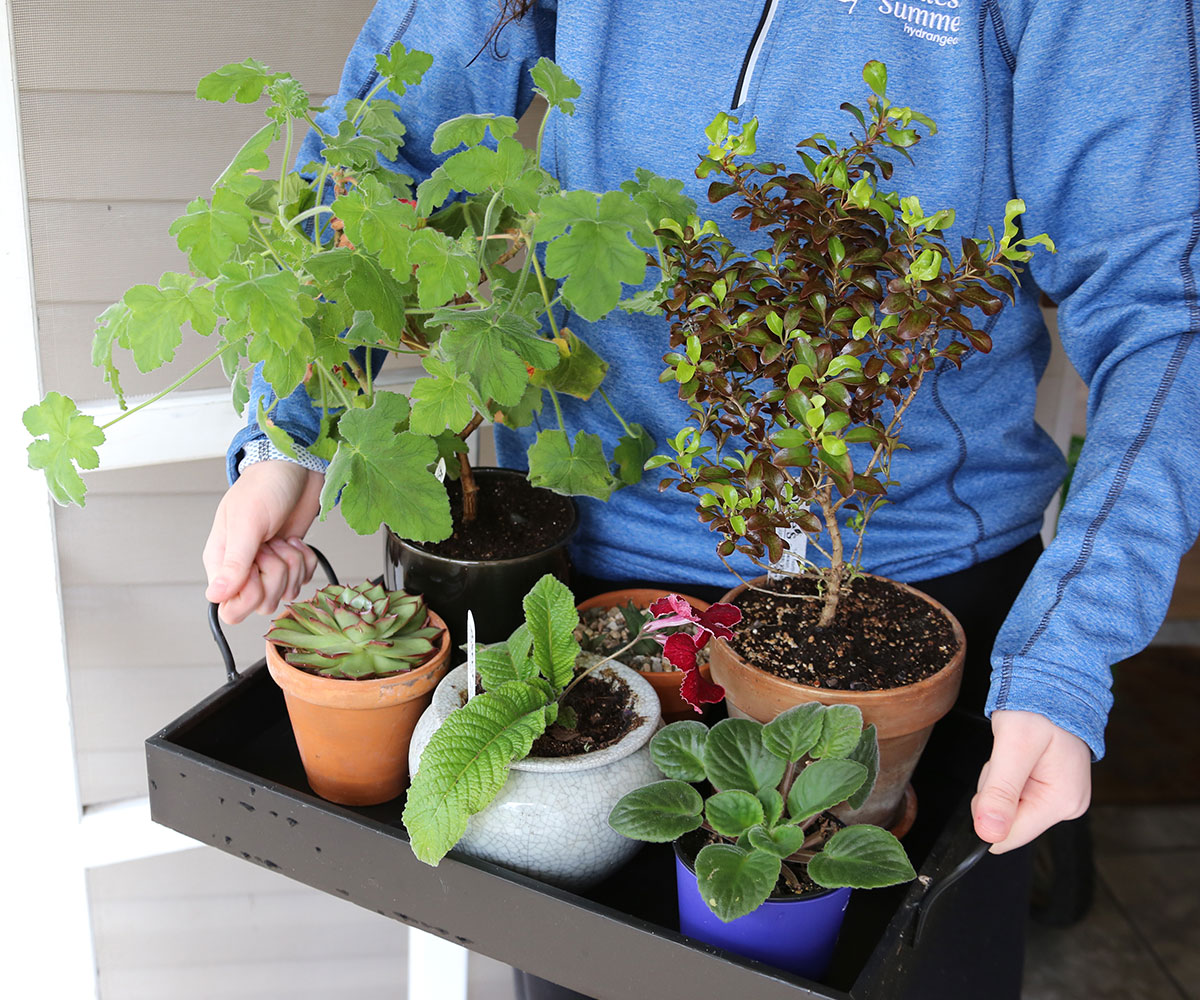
[228,774]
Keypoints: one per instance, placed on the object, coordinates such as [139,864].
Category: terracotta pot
[353,736]
[903,716]
[664,682]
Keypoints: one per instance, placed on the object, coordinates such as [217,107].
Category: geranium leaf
[445,401]
[734,757]
[631,454]
[244,82]
[444,270]
[678,750]
[552,619]
[383,477]
[352,150]
[822,785]
[70,441]
[379,224]
[553,84]
[152,329]
[862,857]
[109,329]
[733,881]
[481,169]
[469,130]
[658,813]
[466,763]
[250,160]
[402,67]
[209,233]
[374,289]
[660,198]
[495,347]
[578,469]
[578,373]
[261,300]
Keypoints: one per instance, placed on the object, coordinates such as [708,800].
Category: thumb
[1001,783]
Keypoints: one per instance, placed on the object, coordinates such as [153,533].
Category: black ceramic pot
[492,589]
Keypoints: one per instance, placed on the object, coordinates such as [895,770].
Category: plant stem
[608,659]
[833,577]
[604,396]
[267,243]
[317,210]
[537,270]
[283,167]
[557,409]
[466,476]
[487,232]
[172,387]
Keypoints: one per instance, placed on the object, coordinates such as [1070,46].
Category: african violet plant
[307,272]
[525,681]
[353,632]
[799,359]
[769,787]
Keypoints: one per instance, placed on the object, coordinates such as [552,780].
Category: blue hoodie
[1087,110]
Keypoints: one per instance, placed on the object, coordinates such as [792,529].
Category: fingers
[1038,775]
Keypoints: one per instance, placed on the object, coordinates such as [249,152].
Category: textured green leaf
[732,813]
[109,326]
[862,857]
[445,270]
[678,750]
[70,441]
[841,727]
[658,813]
[379,224]
[733,881]
[469,130]
[283,369]
[249,161]
[466,763]
[578,469]
[447,400]
[289,99]
[383,476]
[354,151]
[374,289]
[494,347]
[822,785]
[553,84]
[632,453]
[783,842]
[772,803]
[577,374]
[660,198]
[433,191]
[402,67]
[261,300]
[734,757]
[793,733]
[379,120]
[152,329]
[481,169]
[552,619]
[866,752]
[244,81]
[589,246]
[209,233]
[521,414]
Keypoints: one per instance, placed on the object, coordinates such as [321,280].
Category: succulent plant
[355,632]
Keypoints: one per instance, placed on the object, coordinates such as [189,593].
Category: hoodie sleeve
[466,77]
[1106,153]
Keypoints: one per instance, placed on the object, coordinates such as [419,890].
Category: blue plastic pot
[797,935]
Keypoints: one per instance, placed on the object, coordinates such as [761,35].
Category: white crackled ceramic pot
[550,819]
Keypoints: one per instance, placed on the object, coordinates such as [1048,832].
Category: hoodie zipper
[752,53]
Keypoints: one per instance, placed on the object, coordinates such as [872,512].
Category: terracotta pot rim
[567,535]
[610,598]
[931,682]
[317,689]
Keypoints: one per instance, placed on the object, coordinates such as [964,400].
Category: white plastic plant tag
[439,470]
[470,655]
[789,562]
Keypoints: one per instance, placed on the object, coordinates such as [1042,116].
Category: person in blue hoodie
[1087,111]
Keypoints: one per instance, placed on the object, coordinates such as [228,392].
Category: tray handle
[930,899]
[218,634]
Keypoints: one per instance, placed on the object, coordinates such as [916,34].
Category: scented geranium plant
[525,682]
[800,358]
[312,274]
[767,790]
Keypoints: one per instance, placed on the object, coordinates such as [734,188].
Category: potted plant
[311,278]
[609,621]
[799,361]
[769,870]
[357,666]
[525,772]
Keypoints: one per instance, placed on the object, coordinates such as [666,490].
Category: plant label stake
[789,564]
[470,656]
[439,471]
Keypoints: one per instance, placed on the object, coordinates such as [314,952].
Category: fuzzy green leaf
[590,246]
[735,757]
[658,813]
[468,130]
[793,733]
[552,619]
[678,750]
[772,803]
[445,401]
[261,300]
[862,857]
[732,813]
[209,233]
[70,441]
[822,785]
[865,753]
[783,842]
[466,763]
[734,882]
[383,476]
[572,469]
[553,84]
[841,727]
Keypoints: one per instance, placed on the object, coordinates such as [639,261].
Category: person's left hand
[1037,776]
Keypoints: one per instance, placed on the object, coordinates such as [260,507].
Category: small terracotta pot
[664,682]
[903,716]
[353,736]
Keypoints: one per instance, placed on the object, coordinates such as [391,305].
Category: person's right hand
[255,555]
